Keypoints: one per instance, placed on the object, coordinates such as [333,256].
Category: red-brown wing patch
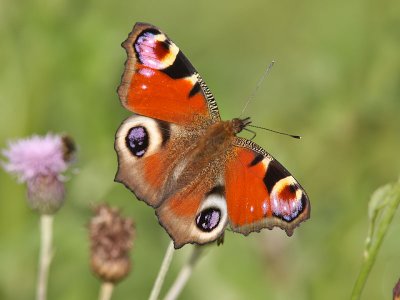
[159,81]
[156,169]
[260,192]
[196,214]
[177,215]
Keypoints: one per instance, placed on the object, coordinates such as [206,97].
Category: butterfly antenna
[260,81]
[283,133]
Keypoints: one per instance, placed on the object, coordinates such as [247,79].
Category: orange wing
[261,193]
[159,81]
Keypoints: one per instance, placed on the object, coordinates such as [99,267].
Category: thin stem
[106,290]
[163,271]
[374,246]
[46,232]
[184,274]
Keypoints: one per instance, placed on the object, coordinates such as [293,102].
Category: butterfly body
[177,155]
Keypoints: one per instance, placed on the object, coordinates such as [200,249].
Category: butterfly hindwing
[260,192]
[195,214]
[160,82]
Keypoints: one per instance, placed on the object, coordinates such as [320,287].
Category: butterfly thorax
[217,139]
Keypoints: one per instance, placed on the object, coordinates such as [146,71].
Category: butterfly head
[240,124]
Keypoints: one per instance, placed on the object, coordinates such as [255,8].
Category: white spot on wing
[146,72]
[266,162]
[192,79]
[265,207]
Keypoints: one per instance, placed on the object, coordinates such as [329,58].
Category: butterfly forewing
[159,81]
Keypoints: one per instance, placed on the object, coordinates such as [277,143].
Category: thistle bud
[45,194]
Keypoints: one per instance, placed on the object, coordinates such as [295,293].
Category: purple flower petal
[34,156]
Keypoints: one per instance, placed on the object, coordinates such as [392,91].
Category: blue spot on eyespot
[208,219]
[137,140]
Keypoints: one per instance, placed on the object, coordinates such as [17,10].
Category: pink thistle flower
[40,161]
[34,156]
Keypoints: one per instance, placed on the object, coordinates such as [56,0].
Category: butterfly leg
[251,131]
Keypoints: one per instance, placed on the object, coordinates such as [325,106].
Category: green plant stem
[106,290]
[46,232]
[184,274]
[163,271]
[373,246]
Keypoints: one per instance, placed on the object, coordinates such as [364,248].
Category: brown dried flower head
[111,238]
[396,291]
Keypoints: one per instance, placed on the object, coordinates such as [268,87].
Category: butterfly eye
[137,140]
[208,219]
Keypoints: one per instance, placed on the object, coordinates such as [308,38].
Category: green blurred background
[336,83]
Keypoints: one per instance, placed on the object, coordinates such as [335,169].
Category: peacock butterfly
[177,155]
